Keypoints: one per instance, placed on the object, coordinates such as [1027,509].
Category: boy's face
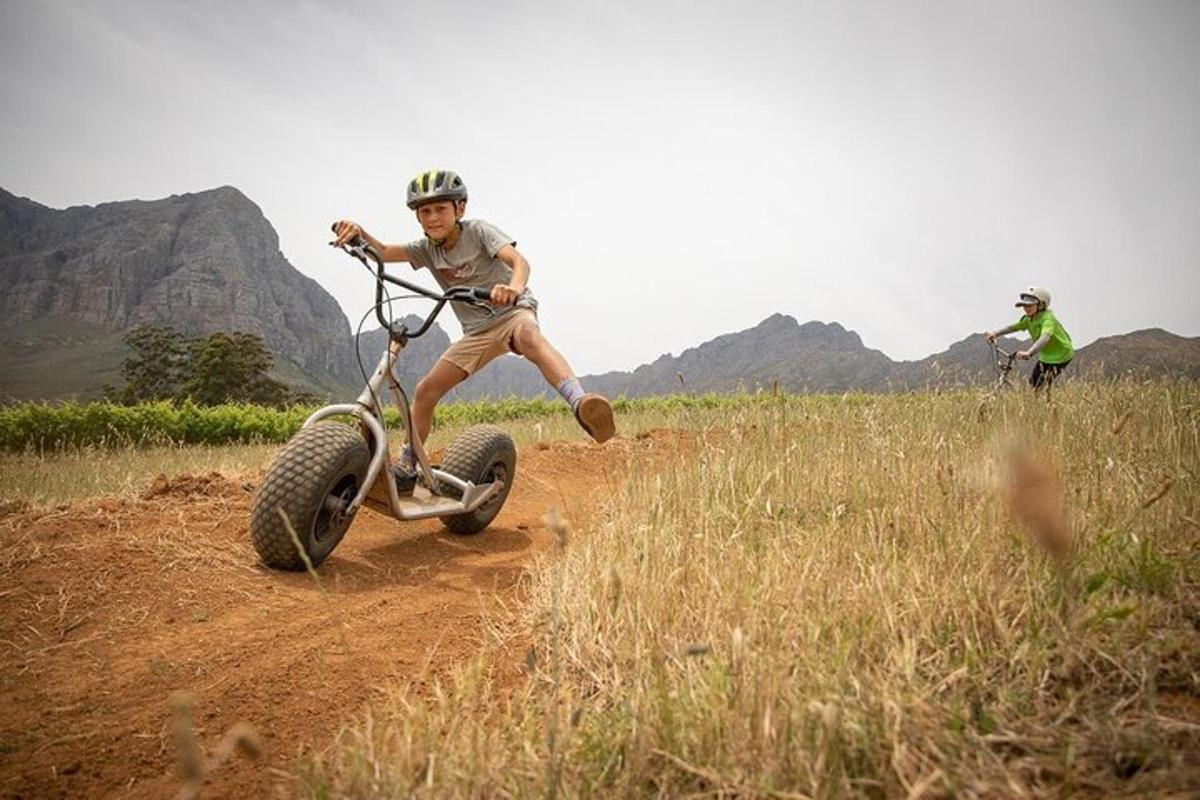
[1030,309]
[437,219]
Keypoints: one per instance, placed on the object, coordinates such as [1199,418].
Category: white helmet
[1034,294]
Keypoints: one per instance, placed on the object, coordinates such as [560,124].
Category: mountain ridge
[73,280]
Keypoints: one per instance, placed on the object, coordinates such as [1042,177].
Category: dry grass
[69,475]
[868,598]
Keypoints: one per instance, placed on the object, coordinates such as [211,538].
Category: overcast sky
[672,171]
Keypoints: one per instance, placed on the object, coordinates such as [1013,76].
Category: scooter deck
[422,503]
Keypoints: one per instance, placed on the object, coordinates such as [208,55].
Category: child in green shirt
[1051,342]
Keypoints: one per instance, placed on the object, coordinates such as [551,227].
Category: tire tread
[295,482]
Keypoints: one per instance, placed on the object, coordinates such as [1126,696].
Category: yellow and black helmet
[433,185]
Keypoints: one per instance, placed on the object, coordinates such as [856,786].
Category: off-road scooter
[329,470]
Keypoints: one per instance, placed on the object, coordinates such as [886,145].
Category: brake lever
[359,253]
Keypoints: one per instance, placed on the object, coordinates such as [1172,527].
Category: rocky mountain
[1147,352]
[201,262]
[809,357]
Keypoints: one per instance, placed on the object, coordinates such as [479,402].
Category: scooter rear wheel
[481,454]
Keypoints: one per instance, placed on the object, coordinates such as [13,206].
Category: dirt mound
[109,607]
[213,484]
[10,507]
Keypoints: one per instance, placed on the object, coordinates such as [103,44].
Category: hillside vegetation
[887,596]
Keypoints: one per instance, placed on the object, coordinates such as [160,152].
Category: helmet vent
[436,184]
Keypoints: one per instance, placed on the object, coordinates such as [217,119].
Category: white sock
[571,391]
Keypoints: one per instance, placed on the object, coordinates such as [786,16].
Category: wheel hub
[334,508]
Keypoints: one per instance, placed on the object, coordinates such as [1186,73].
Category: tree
[232,368]
[159,365]
[222,368]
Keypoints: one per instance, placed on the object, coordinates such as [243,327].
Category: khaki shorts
[473,352]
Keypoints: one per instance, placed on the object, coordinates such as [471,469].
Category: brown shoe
[595,415]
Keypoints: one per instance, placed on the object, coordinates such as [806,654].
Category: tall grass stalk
[836,599]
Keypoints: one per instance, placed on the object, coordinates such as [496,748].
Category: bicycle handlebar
[360,249]
[1003,360]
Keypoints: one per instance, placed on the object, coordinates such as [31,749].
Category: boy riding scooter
[476,254]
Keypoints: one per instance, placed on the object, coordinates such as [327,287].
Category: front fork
[401,400]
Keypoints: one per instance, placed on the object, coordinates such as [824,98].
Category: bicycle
[330,470]
[1002,366]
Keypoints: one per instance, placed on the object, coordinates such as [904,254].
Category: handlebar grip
[481,293]
[355,242]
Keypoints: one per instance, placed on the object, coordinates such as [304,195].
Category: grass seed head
[245,740]
[558,526]
[188,754]
[1035,497]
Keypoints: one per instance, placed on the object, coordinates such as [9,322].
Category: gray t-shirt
[471,262]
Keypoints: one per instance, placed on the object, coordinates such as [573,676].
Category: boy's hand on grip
[504,295]
[346,231]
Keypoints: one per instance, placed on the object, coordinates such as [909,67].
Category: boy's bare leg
[533,345]
[592,410]
[443,377]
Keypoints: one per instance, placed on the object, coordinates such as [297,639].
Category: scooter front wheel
[313,480]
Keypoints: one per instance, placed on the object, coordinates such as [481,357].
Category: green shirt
[1059,349]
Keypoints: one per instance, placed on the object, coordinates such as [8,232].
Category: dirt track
[108,607]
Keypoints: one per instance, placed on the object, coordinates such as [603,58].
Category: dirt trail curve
[108,607]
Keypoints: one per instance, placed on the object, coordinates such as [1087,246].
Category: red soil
[109,606]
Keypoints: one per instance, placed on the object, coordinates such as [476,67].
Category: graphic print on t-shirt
[461,272]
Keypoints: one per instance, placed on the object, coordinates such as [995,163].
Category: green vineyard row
[44,427]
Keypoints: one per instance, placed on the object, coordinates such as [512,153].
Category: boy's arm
[1007,329]
[507,294]
[1042,341]
[390,253]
